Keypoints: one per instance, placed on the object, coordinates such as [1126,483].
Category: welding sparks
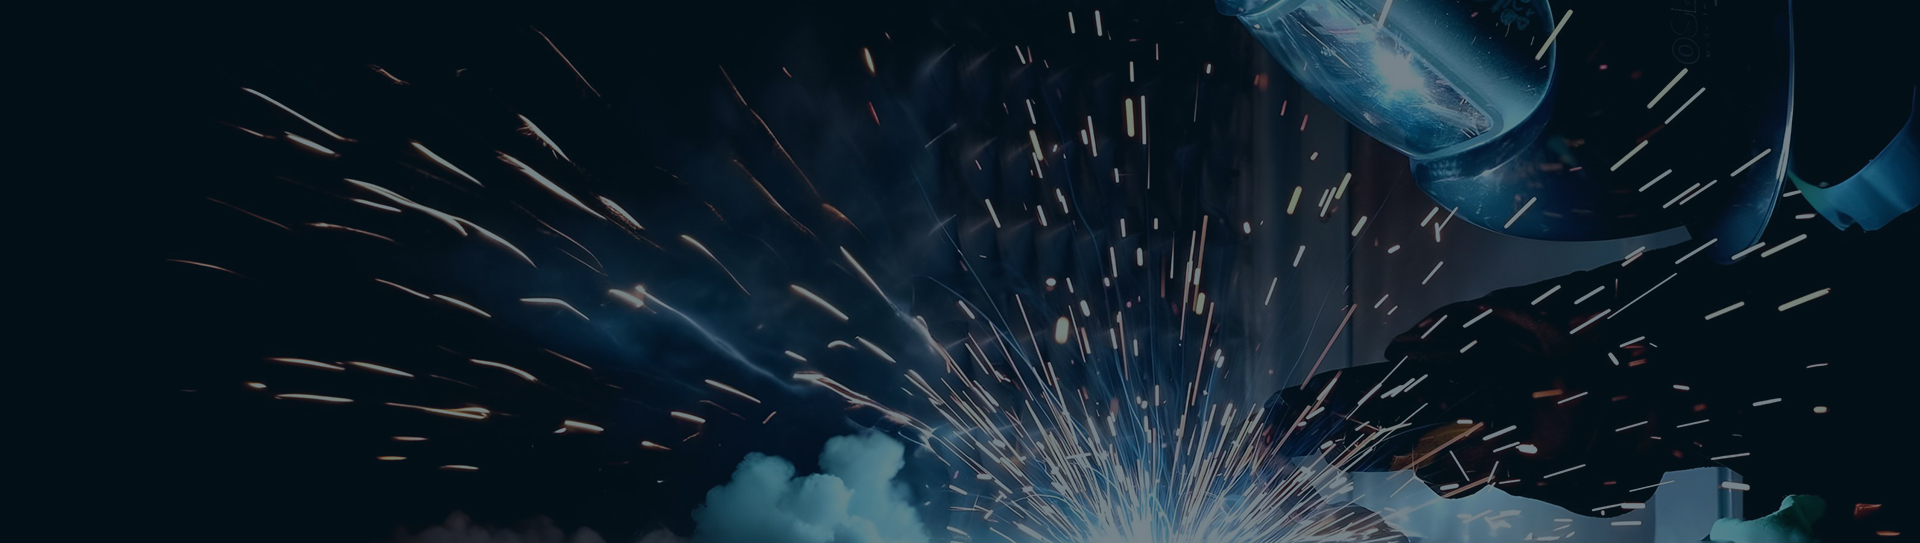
[510,369]
[380,369]
[444,164]
[818,301]
[297,115]
[730,390]
[1555,34]
[549,185]
[312,398]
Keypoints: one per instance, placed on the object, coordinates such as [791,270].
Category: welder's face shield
[1558,135]
[1430,79]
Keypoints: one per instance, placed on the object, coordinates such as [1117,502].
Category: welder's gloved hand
[1793,523]
[1530,389]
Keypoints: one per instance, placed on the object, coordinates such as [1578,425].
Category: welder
[1772,347]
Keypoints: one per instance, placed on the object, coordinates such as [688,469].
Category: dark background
[218,464]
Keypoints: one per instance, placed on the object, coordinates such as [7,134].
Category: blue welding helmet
[1579,120]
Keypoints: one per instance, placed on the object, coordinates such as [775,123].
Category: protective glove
[1793,523]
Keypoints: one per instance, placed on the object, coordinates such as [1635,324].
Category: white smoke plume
[856,500]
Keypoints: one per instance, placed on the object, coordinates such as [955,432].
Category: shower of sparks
[1068,440]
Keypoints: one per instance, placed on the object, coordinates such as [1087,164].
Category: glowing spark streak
[377,205]
[459,467]
[312,398]
[1702,190]
[649,445]
[864,276]
[1696,250]
[403,289]
[1644,294]
[1093,141]
[1143,126]
[308,363]
[1683,106]
[1489,437]
[443,162]
[1522,211]
[1656,179]
[817,300]
[1436,269]
[992,213]
[208,266]
[296,114]
[1476,318]
[1744,252]
[470,413]
[498,241]
[1552,36]
[562,303]
[1550,475]
[689,417]
[1682,194]
[1655,485]
[396,198]
[1623,160]
[311,145]
[848,394]
[1805,299]
[381,369]
[326,226]
[636,301]
[1743,167]
[1129,108]
[876,350]
[769,129]
[549,185]
[1719,458]
[510,369]
[1061,329]
[1543,296]
[1782,245]
[1384,10]
[868,56]
[581,426]
[716,261]
[1663,90]
[563,58]
[528,128]
[1596,290]
[768,196]
[731,390]
[1329,347]
[1435,326]
[1736,305]
[1295,201]
[462,305]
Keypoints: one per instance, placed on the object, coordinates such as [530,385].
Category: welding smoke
[855,500]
